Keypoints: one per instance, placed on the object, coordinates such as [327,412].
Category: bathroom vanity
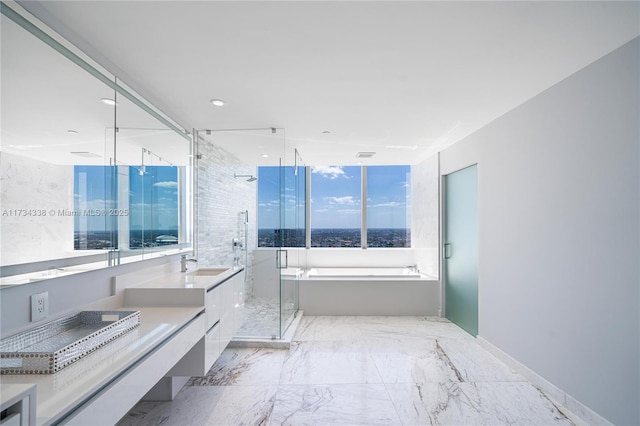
[186,320]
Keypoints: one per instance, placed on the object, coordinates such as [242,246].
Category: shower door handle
[279,258]
[447,251]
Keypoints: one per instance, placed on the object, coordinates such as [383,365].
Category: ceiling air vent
[365,154]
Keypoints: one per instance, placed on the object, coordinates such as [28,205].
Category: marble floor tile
[402,328]
[262,318]
[475,364]
[209,405]
[411,361]
[329,362]
[498,403]
[333,405]
[244,366]
[358,371]
[327,328]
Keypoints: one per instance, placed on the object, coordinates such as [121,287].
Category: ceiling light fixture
[217,102]
[73,132]
[325,132]
[265,156]
[365,154]
[108,101]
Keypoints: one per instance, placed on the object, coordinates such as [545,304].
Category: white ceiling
[403,79]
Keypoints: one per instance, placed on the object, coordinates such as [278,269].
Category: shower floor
[262,318]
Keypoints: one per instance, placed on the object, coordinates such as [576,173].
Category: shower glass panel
[292,211]
[233,167]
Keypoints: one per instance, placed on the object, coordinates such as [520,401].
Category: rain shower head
[251,178]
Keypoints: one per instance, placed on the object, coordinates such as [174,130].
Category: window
[292,213]
[125,207]
[153,205]
[335,206]
[388,206]
[94,189]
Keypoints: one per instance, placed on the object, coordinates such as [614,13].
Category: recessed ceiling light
[365,154]
[73,132]
[108,101]
[217,102]
[265,156]
[326,132]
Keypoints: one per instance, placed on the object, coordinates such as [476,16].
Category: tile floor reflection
[358,371]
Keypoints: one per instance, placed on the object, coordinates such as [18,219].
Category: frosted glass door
[460,249]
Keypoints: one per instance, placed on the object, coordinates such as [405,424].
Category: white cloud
[270,203]
[321,210]
[328,172]
[166,184]
[346,200]
[389,204]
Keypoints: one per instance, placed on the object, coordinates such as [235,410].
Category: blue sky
[159,185]
[388,197]
[92,189]
[269,198]
[335,197]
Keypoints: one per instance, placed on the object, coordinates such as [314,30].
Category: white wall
[559,202]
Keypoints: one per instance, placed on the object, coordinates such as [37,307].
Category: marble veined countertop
[59,393]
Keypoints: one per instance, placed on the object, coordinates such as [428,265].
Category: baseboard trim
[576,411]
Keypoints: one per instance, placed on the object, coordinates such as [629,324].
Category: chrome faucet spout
[183,262]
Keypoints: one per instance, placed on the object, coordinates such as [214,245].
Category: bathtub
[355,273]
[368,291]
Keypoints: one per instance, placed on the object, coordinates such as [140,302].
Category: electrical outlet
[39,306]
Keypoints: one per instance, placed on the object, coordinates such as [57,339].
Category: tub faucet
[183,262]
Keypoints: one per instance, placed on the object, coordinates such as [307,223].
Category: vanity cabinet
[18,406]
[227,311]
[221,295]
[213,306]
[212,347]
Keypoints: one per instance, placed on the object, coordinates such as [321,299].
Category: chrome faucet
[183,262]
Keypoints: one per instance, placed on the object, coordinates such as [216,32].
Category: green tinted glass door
[460,249]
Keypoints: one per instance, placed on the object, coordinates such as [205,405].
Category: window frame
[363,213]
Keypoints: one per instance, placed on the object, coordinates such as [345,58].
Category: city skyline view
[151,207]
[336,206]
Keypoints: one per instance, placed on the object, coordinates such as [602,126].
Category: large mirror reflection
[91,176]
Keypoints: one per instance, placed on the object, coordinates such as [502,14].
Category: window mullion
[363,203]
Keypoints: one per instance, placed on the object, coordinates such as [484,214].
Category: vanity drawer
[212,346]
[212,310]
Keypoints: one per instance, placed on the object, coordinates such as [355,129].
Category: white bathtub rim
[356,273]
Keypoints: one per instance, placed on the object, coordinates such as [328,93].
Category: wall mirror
[91,175]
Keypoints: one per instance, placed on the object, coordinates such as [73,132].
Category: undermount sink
[208,271]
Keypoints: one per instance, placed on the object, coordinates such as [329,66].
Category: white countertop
[190,279]
[61,392]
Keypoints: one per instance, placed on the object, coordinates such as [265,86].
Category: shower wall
[424,215]
[33,184]
[220,198]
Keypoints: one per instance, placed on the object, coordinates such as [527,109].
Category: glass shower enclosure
[249,197]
